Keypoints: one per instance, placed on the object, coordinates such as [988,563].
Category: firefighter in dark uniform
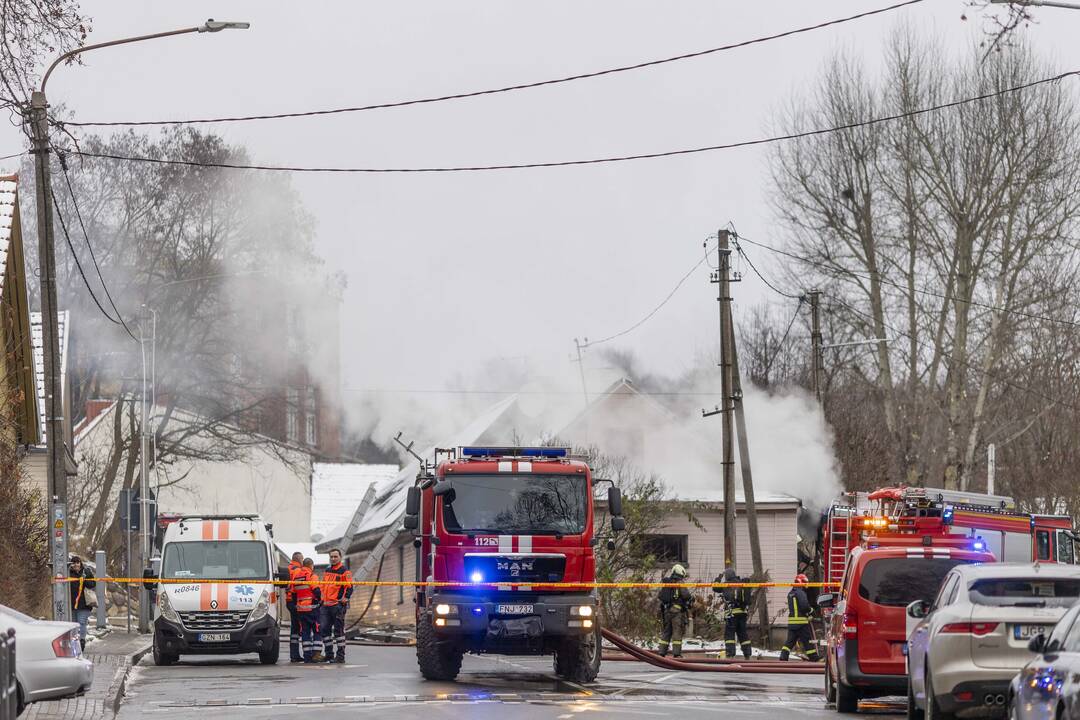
[798,623]
[737,600]
[674,612]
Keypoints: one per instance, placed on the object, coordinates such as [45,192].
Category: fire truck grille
[515,568]
[228,620]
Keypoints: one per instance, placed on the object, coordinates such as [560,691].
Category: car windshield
[897,582]
[1025,592]
[505,504]
[216,560]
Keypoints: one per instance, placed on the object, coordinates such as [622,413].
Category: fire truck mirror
[445,490]
[614,501]
[826,600]
[411,522]
[412,502]
[618,524]
[611,545]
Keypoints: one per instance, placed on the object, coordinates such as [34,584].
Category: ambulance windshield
[517,504]
[216,560]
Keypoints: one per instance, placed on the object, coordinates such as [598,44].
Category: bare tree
[940,231]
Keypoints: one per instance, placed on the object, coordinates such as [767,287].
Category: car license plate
[215,637]
[1026,632]
[514,609]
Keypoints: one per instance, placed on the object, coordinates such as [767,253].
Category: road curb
[124,672]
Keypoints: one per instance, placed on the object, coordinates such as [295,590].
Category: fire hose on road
[798,667]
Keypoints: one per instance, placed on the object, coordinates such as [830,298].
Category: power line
[508,88]
[15,155]
[791,323]
[742,253]
[885,281]
[655,310]
[82,274]
[89,245]
[589,161]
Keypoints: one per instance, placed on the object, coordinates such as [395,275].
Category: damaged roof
[338,488]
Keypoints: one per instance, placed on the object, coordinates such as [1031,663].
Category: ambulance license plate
[1026,632]
[514,609]
[215,637]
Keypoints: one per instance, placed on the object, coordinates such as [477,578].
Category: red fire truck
[992,520]
[496,524]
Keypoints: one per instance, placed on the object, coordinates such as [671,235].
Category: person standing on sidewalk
[308,600]
[295,565]
[336,591]
[83,595]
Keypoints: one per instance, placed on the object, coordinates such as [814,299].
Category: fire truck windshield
[513,504]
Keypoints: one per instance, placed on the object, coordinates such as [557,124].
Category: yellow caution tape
[429,583]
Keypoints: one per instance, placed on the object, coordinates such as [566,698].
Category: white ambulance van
[230,604]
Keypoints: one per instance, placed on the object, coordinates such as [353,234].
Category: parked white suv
[966,646]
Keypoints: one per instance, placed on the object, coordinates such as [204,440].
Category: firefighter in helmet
[798,623]
[674,612]
[737,605]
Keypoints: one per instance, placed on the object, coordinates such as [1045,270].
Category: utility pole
[722,279]
[50,349]
[748,483]
[144,486]
[815,344]
[37,120]
[581,368]
[991,467]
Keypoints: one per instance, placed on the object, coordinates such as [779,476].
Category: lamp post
[37,120]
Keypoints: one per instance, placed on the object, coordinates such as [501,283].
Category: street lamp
[38,121]
[1039,3]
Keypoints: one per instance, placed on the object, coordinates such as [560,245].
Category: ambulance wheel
[438,659]
[163,659]
[270,657]
[578,659]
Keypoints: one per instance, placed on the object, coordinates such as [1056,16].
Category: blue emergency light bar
[542,452]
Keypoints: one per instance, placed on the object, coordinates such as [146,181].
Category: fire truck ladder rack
[792,667]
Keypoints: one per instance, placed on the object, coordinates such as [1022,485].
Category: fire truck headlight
[443,609]
[582,610]
[586,623]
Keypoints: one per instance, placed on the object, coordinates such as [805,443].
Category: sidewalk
[112,655]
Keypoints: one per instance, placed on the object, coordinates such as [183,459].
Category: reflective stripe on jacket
[290,595]
[798,607]
[335,587]
[306,590]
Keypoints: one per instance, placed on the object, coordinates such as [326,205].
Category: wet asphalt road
[385,682]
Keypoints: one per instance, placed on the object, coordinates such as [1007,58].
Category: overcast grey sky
[448,270]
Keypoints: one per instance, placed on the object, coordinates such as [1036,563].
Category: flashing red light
[977,629]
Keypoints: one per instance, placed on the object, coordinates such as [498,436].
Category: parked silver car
[48,661]
[965,647]
[1048,688]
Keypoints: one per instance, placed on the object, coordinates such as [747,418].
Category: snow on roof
[36,338]
[338,488]
[7,217]
[390,494]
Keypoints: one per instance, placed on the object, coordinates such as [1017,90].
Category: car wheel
[830,688]
[20,701]
[847,700]
[933,712]
[914,712]
[163,659]
[1013,709]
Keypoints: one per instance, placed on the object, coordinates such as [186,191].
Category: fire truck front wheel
[578,658]
[439,659]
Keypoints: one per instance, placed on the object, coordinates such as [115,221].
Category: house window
[668,549]
[401,574]
[292,420]
[311,435]
[293,328]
